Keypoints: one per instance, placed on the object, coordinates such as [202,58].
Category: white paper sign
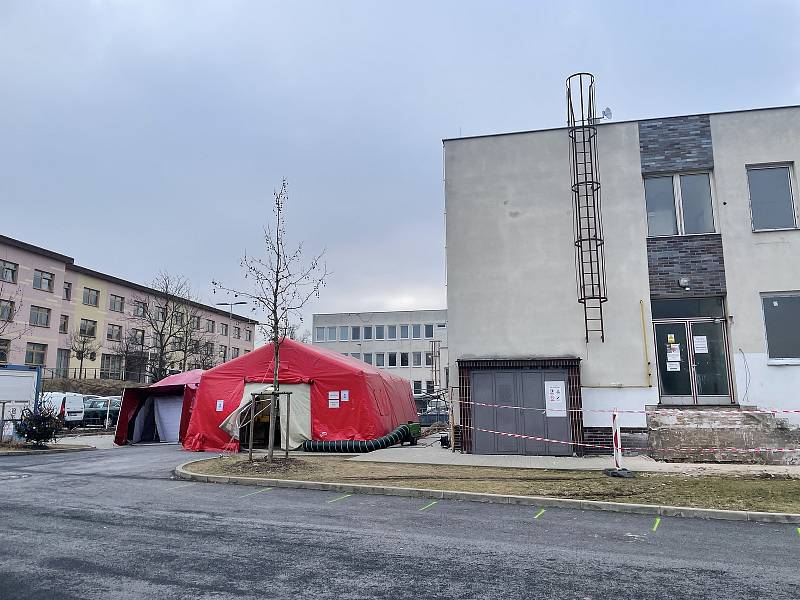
[674,352]
[333,403]
[700,344]
[333,395]
[555,399]
[673,366]
[345,395]
[220,405]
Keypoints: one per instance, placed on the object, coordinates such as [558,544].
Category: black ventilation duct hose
[399,435]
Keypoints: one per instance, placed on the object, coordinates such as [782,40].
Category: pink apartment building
[46,297]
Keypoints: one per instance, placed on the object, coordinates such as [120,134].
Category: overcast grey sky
[141,135]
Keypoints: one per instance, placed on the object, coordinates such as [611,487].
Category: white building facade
[412,344]
[700,218]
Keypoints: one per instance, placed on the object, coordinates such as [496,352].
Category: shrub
[38,429]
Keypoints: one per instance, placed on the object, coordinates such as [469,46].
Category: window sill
[780,362]
[779,229]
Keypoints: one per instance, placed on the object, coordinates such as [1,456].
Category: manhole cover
[8,475]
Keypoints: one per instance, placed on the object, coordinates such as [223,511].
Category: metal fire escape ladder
[584,167]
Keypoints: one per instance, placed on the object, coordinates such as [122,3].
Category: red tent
[139,413]
[340,397]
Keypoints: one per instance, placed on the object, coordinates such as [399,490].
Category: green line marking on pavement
[656,523]
[340,498]
[798,531]
[540,513]
[266,489]
[427,506]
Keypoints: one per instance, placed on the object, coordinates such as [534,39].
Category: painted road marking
[266,489]
[427,506]
[340,498]
[656,523]
[181,487]
[540,513]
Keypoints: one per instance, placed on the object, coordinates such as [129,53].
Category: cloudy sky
[139,136]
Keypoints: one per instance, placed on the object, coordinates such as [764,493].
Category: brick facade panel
[676,144]
[698,257]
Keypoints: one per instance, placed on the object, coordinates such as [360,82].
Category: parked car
[96,410]
[67,404]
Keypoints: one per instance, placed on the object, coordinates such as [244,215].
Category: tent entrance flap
[158,420]
[299,419]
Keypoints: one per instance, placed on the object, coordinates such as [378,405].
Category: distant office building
[48,297]
[410,343]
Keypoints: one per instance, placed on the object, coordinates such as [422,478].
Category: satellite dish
[607,113]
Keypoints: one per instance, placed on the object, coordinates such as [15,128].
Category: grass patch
[770,494]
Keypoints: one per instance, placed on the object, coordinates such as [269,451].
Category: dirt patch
[734,493]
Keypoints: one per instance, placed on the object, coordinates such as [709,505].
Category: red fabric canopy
[132,399]
[378,401]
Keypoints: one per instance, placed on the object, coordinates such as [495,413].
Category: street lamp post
[230,320]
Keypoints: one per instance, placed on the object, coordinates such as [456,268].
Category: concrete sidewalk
[431,453]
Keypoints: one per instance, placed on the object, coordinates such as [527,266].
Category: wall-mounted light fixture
[684,283]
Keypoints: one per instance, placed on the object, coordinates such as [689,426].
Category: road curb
[48,451]
[540,501]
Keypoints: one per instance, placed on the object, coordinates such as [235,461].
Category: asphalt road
[113,524]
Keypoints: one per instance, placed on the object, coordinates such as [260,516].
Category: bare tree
[11,298]
[282,285]
[82,347]
[293,333]
[131,351]
[171,321]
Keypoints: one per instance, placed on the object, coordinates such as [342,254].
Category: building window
[380,332]
[137,337]
[416,359]
[210,326]
[179,318]
[40,316]
[416,332]
[404,359]
[429,387]
[223,352]
[67,291]
[429,331]
[110,366]
[392,360]
[161,314]
[429,359]
[63,324]
[331,333]
[114,333]
[88,328]
[208,348]
[42,280]
[417,384]
[367,358]
[391,332]
[403,332]
[380,359]
[355,333]
[234,353]
[248,335]
[237,333]
[344,333]
[771,202]
[195,321]
[139,308]
[62,362]
[116,303]
[368,332]
[91,297]
[356,355]
[223,329]
[679,204]
[319,334]
[8,271]
[7,310]
[35,354]
[5,350]
[782,322]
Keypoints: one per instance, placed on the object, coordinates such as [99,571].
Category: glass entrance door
[692,362]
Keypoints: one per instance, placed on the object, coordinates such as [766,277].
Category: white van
[67,404]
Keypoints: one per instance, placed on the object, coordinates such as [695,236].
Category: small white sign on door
[555,399]
[333,399]
[700,344]
[345,395]
[674,352]
[673,366]
[220,405]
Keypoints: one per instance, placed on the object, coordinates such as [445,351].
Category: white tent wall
[168,411]
[300,417]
